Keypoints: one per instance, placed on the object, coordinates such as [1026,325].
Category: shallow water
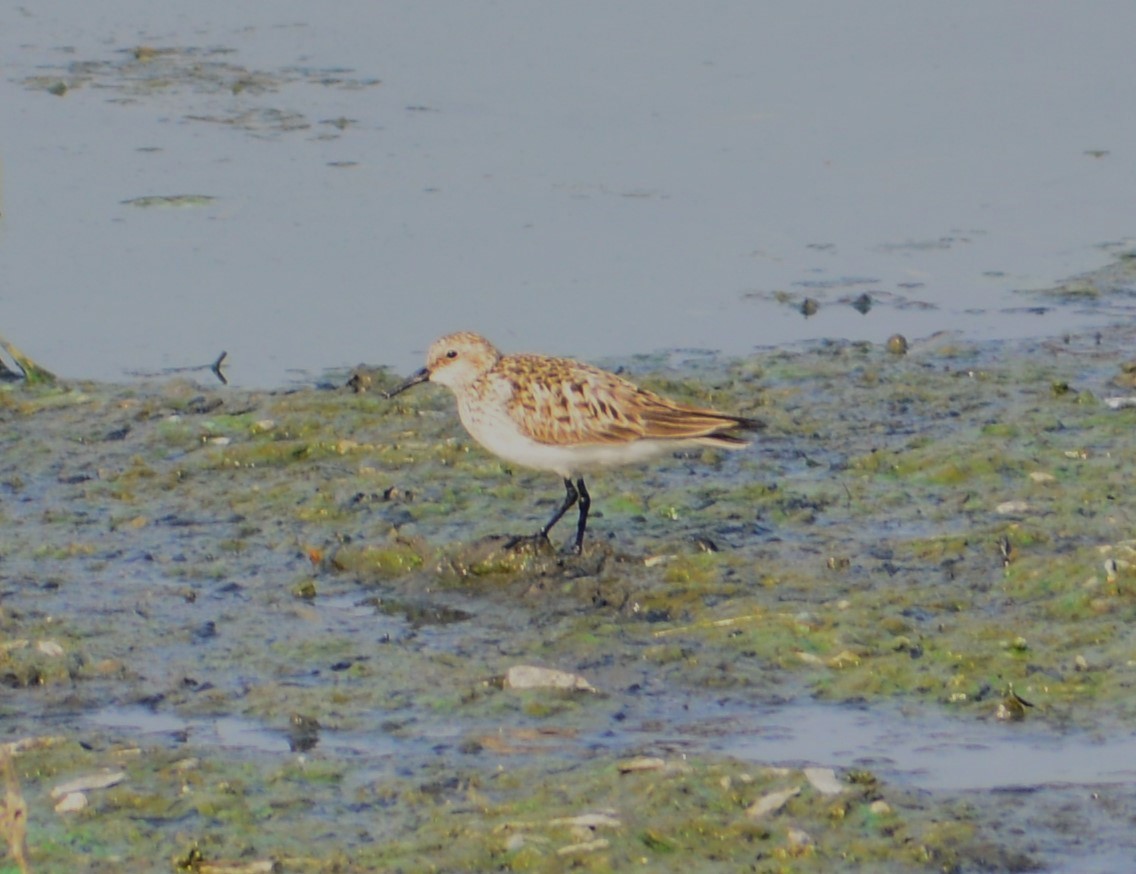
[382,173]
[924,751]
[1029,780]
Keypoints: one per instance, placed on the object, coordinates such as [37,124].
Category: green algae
[674,815]
[942,529]
[378,562]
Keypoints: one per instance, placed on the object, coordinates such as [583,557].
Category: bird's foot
[527,542]
[538,542]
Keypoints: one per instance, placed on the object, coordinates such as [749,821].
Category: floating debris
[169,200]
[201,77]
[215,368]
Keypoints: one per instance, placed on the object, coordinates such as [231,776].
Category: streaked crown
[458,360]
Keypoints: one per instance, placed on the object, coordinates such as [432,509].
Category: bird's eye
[452,354]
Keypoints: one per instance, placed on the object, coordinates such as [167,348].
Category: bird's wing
[559,401]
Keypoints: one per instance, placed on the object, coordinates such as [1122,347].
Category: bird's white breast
[487,420]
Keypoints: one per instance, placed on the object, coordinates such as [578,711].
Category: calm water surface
[584,178]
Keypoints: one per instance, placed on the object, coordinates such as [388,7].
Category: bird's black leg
[585,503]
[570,498]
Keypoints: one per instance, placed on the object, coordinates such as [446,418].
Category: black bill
[418,376]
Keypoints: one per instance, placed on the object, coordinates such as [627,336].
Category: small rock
[1012,707]
[41,742]
[101,780]
[772,802]
[843,659]
[49,648]
[880,808]
[641,763]
[584,847]
[824,781]
[798,837]
[361,380]
[1012,507]
[588,820]
[533,677]
[71,803]
[191,763]
[897,344]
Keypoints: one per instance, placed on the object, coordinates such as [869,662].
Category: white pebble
[101,780]
[533,677]
[825,781]
[772,802]
[49,648]
[71,803]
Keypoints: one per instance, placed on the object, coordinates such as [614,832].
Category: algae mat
[250,631]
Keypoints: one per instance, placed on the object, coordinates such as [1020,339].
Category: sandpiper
[560,415]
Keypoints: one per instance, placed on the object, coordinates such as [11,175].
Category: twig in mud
[711,623]
[14,813]
[215,368]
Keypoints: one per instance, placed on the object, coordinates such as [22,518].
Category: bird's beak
[418,376]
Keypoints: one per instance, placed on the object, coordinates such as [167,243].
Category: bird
[564,416]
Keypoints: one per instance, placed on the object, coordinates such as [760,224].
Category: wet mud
[288,619]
